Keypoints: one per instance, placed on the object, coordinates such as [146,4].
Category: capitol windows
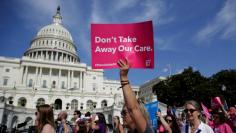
[22,102]
[74,104]
[94,86]
[104,104]
[63,84]
[63,73]
[81,106]
[53,84]
[89,104]
[58,104]
[7,70]
[44,84]
[5,81]
[40,101]
[75,85]
[30,83]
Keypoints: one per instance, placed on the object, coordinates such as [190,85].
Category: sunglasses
[123,113]
[74,114]
[168,121]
[189,110]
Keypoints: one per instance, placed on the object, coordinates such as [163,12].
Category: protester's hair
[45,116]
[174,126]
[221,115]
[118,118]
[78,113]
[195,105]
[143,110]
[63,114]
[101,118]
[88,114]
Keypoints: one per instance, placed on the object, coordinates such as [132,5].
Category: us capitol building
[50,72]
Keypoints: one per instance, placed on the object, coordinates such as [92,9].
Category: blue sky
[197,33]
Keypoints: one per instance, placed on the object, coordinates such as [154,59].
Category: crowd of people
[136,118]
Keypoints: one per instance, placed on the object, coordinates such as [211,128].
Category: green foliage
[192,85]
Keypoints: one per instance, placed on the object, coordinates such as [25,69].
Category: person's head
[88,114]
[77,114]
[218,117]
[62,116]
[192,110]
[128,121]
[169,120]
[116,119]
[44,116]
[232,112]
[101,118]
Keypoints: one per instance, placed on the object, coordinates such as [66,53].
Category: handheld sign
[111,42]
[152,108]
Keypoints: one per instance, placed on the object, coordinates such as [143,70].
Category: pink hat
[232,110]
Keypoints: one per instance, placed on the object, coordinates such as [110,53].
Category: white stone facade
[146,91]
[50,72]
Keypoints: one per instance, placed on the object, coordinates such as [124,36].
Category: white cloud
[35,13]
[77,15]
[122,4]
[155,10]
[223,25]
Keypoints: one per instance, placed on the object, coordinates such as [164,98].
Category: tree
[225,82]
[186,86]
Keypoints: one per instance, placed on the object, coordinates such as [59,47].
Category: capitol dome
[55,29]
[53,42]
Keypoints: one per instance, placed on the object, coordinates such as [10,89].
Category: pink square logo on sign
[111,42]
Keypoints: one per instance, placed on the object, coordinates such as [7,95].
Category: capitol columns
[25,75]
[40,75]
[68,78]
[37,75]
[22,74]
[59,78]
[50,79]
[80,80]
[56,59]
[72,77]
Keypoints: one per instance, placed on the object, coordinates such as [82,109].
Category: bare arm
[121,129]
[164,123]
[47,129]
[130,99]
[65,126]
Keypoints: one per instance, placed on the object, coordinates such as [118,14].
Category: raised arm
[129,97]
[163,121]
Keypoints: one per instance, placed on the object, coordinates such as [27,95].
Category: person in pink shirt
[219,123]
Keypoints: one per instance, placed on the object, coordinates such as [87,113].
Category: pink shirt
[222,128]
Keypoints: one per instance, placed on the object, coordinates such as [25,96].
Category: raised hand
[124,69]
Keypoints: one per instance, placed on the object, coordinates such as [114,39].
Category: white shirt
[202,128]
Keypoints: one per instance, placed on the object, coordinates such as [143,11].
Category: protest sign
[111,42]
[152,109]
[205,111]
[216,103]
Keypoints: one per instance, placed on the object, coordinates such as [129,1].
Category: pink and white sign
[111,42]
[216,102]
